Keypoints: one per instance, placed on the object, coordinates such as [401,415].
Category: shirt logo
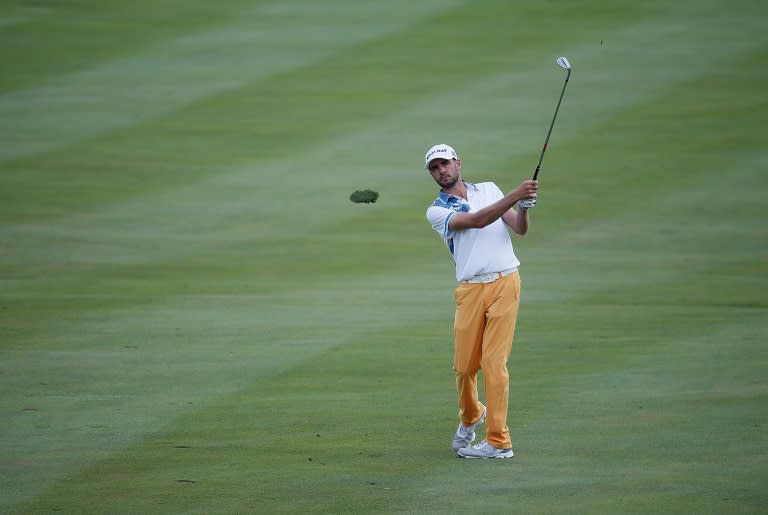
[457,204]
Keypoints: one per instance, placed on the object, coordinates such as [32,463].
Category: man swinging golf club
[471,218]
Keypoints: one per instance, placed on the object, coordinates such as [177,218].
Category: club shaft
[546,141]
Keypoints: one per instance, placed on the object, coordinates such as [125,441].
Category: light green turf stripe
[268,40]
[623,73]
[8,21]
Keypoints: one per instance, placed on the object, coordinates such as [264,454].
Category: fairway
[194,318]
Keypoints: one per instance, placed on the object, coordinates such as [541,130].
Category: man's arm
[517,220]
[500,208]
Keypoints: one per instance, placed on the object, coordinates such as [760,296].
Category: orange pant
[483,329]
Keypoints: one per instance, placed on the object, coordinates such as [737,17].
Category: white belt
[490,277]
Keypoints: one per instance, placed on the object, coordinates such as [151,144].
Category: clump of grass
[364,196]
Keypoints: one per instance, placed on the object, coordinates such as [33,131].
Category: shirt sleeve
[497,193]
[439,217]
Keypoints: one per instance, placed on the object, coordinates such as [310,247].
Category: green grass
[194,318]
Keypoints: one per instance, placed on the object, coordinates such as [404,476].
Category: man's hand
[526,190]
[527,203]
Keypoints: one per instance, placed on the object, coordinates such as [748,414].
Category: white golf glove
[527,203]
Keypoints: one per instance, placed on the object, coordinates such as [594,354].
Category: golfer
[471,218]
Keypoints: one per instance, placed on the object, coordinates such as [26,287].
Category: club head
[563,63]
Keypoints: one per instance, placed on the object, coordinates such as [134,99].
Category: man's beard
[450,184]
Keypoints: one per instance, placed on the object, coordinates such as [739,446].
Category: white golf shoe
[465,435]
[484,450]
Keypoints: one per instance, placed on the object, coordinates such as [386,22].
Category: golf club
[563,63]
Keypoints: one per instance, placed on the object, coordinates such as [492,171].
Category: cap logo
[441,150]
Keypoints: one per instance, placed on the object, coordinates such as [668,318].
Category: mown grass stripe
[259,43]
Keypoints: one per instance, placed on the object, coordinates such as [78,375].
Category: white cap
[441,151]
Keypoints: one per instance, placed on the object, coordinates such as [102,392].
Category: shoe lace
[483,446]
[465,431]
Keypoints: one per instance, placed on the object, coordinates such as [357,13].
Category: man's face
[445,172]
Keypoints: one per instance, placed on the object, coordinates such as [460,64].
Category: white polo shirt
[475,251]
